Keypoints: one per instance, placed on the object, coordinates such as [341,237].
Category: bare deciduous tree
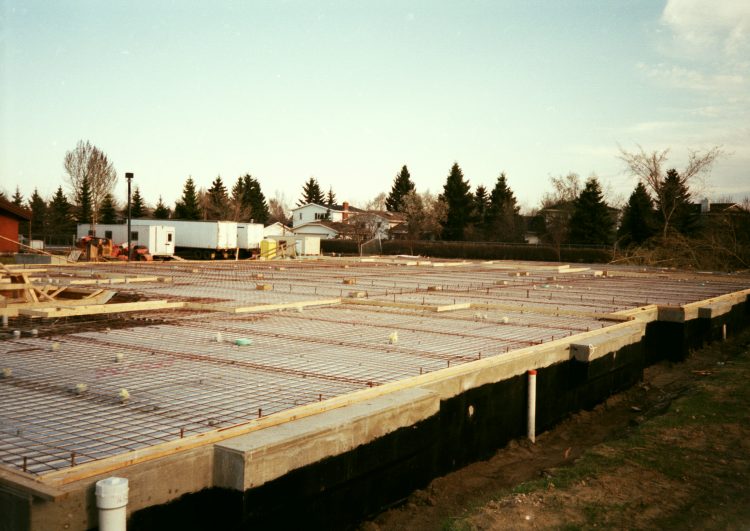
[87,162]
[425,213]
[649,168]
[278,208]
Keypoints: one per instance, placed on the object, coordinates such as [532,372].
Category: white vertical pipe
[724,332]
[112,501]
[532,406]
[5,321]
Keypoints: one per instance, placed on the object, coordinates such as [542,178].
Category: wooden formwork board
[409,306]
[62,311]
[260,307]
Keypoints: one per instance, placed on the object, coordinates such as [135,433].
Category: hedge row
[474,250]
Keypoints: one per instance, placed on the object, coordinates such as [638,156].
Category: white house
[314,212]
[276,229]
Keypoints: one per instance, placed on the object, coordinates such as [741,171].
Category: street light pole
[129,177]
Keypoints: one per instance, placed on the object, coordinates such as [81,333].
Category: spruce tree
[638,218]
[60,218]
[458,197]
[84,208]
[330,197]
[481,205]
[675,207]
[188,206]
[38,208]
[311,193]
[138,208]
[257,201]
[17,197]
[217,201]
[402,185]
[108,210]
[502,220]
[161,211]
[591,222]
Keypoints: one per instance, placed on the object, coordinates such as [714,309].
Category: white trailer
[201,239]
[249,236]
[158,238]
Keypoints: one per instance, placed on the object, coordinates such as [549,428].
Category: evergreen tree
[60,218]
[138,208]
[311,193]
[331,197]
[638,218]
[217,201]
[250,203]
[38,208]
[402,185]
[674,204]
[502,220]
[84,209]
[108,210]
[188,206]
[479,212]
[17,198]
[161,211]
[257,201]
[458,197]
[591,222]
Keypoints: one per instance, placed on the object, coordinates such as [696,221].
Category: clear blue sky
[349,91]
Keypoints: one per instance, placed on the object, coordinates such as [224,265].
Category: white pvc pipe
[112,501]
[724,332]
[532,406]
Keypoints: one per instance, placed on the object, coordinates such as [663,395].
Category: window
[169,237]
[300,215]
[108,234]
[318,215]
[134,235]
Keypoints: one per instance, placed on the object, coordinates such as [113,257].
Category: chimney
[705,206]
[345,215]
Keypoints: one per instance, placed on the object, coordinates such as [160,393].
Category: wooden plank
[25,483]
[94,294]
[260,307]
[410,306]
[61,311]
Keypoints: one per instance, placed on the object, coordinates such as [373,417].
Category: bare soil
[671,453]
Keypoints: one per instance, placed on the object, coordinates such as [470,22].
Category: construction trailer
[158,238]
[249,236]
[201,239]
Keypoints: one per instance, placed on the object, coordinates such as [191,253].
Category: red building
[10,216]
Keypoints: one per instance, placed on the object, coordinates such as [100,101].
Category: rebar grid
[181,380]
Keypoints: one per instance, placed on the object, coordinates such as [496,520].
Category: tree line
[660,210]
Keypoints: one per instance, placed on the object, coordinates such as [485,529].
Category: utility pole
[129,177]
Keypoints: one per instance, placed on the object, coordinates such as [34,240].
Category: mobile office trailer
[201,239]
[249,236]
[159,239]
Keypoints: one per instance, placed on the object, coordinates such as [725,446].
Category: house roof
[392,217]
[335,208]
[340,228]
[21,214]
